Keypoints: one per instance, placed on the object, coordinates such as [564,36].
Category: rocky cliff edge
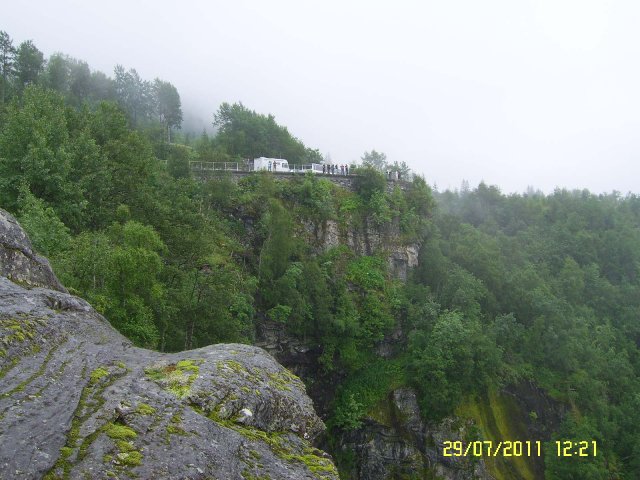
[78,400]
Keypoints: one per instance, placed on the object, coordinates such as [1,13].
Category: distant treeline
[153,106]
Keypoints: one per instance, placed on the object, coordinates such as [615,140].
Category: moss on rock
[176,378]
[145,409]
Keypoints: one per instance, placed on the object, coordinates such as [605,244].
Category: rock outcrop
[18,262]
[399,444]
[367,239]
[78,400]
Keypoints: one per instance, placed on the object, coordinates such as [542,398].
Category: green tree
[127,160]
[369,182]
[35,151]
[92,174]
[101,87]
[454,359]
[118,272]
[132,281]
[57,73]
[275,255]
[29,64]
[559,467]
[84,267]
[313,156]
[215,305]
[401,167]
[80,82]
[168,107]
[47,233]
[7,61]
[375,160]
[366,276]
[178,161]
[247,134]
[420,197]
[134,94]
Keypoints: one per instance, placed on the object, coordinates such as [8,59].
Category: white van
[271,164]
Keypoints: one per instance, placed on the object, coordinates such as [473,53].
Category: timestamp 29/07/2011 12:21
[518,448]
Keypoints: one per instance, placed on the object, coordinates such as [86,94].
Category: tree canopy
[244,133]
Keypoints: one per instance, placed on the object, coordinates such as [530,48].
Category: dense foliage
[247,134]
[509,289]
[555,281]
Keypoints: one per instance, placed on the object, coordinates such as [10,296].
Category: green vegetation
[282,447]
[17,333]
[145,409]
[43,366]
[127,455]
[91,399]
[20,328]
[548,284]
[498,417]
[509,289]
[98,374]
[365,392]
[120,432]
[177,378]
[174,428]
[246,134]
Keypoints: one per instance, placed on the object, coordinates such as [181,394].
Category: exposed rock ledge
[78,400]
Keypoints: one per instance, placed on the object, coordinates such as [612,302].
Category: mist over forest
[534,94]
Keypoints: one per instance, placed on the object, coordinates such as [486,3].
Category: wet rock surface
[399,444]
[18,262]
[78,400]
[367,239]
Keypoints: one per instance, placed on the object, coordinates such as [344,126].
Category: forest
[509,288]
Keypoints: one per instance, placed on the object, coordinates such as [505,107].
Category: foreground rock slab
[78,400]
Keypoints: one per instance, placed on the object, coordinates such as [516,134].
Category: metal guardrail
[239,167]
[305,168]
[216,166]
[199,166]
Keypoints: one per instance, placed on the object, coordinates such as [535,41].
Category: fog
[528,93]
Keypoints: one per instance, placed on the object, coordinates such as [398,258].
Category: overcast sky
[516,93]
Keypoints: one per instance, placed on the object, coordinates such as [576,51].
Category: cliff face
[397,443]
[367,240]
[78,400]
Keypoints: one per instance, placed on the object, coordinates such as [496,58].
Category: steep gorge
[394,440]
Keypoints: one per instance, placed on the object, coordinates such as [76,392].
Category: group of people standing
[335,169]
